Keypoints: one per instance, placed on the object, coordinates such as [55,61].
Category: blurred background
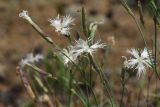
[17,37]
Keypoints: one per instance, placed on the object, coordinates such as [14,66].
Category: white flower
[30,58]
[24,14]
[72,52]
[139,61]
[62,25]
[68,55]
[82,46]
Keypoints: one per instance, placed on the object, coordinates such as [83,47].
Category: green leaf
[82,98]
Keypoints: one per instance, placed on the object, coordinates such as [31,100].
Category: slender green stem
[90,81]
[70,87]
[155,47]
[155,44]
[123,82]
[72,73]
[84,22]
[90,74]
[148,87]
[123,89]
[86,84]
[44,36]
[139,97]
[94,96]
[104,80]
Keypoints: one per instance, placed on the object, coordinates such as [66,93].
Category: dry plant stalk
[26,83]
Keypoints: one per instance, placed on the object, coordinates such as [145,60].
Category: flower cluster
[62,25]
[140,60]
[81,46]
[30,58]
